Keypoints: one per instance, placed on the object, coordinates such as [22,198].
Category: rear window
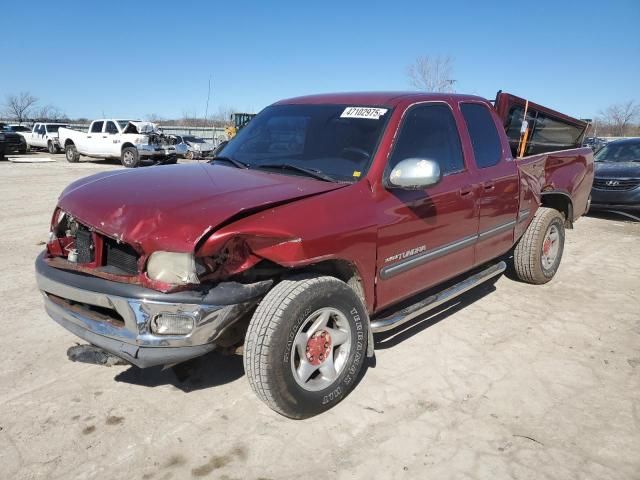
[546,133]
[484,135]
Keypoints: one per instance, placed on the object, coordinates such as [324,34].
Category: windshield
[19,128]
[336,140]
[193,139]
[620,152]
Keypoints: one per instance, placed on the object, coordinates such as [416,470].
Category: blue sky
[135,58]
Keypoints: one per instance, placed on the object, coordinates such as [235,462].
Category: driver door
[426,236]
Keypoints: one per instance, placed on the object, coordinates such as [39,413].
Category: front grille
[121,257]
[615,184]
[84,246]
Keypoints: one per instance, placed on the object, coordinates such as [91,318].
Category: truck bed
[565,172]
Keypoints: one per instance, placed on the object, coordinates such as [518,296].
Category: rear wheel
[71,153]
[306,345]
[537,255]
[130,157]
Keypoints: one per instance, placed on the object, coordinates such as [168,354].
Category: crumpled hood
[617,169]
[172,207]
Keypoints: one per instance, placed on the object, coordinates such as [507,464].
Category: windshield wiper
[307,171]
[232,161]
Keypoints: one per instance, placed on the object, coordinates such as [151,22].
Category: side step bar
[412,311]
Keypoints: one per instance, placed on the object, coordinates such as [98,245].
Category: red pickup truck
[325,220]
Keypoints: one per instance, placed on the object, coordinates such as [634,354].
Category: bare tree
[620,117]
[48,112]
[223,115]
[154,118]
[432,74]
[19,106]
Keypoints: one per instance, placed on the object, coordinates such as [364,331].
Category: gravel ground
[511,381]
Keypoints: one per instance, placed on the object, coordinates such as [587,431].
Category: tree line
[25,107]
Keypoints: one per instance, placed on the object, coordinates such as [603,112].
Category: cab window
[96,127]
[111,128]
[429,132]
[487,150]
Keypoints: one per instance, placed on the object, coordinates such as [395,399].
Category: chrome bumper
[69,295]
[151,151]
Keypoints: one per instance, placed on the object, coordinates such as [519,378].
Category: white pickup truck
[130,141]
[44,135]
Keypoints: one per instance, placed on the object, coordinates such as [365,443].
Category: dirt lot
[513,381]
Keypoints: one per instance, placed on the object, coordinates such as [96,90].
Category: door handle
[489,186]
[88,136]
[104,136]
[466,191]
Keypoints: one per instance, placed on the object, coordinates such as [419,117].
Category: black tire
[172,160]
[531,263]
[71,153]
[130,157]
[189,155]
[51,148]
[270,354]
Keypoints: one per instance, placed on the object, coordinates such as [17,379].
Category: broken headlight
[173,268]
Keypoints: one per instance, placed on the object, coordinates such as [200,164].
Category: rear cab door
[92,144]
[496,173]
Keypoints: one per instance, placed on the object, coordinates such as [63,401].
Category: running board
[409,313]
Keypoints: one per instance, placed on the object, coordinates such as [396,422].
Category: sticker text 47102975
[372,113]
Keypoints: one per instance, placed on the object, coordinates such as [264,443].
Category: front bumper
[155,151]
[615,199]
[117,317]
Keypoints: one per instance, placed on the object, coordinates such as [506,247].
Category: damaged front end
[148,310]
[149,139]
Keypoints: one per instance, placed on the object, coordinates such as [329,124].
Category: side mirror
[415,174]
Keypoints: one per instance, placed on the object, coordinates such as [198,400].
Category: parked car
[10,141]
[18,128]
[616,185]
[594,143]
[324,220]
[130,141]
[44,135]
[196,147]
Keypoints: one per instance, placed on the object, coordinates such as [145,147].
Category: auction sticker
[363,112]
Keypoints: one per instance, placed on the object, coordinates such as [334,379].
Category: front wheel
[130,157]
[537,255]
[306,345]
[51,148]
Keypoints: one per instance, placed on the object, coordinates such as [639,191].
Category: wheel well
[343,270]
[562,203]
[128,144]
[68,142]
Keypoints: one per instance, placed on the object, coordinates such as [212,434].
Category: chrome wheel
[320,349]
[550,247]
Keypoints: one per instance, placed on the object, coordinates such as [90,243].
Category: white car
[196,147]
[130,141]
[44,135]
